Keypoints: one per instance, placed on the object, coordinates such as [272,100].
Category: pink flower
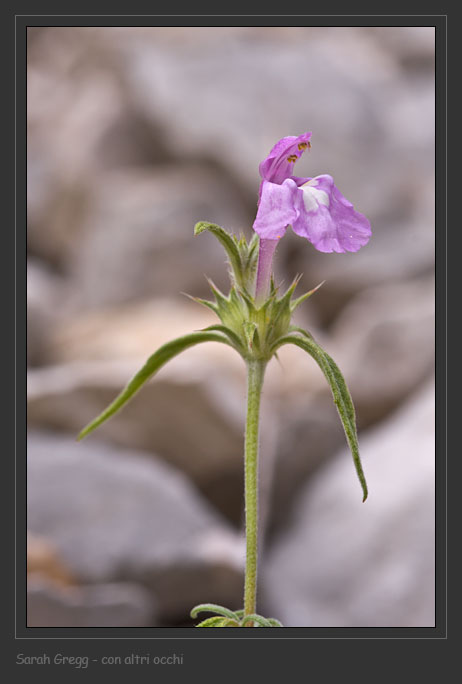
[314,207]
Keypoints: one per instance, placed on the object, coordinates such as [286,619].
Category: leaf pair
[230,618]
[298,337]
[218,621]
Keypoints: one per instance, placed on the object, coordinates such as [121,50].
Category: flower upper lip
[279,164]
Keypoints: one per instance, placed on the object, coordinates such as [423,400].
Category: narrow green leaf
[152,365]
[249,301]
[235,299]
[249,331]
[249,259]
[274,623]
[263,622]
[234,337]
[342,397]
[215,621]
[213,608]
[280,308]
[256,341]
[228,243]
[288,294]
[305,296]
[347,400]
[273,289]
[204,302]
[222,300]
[252,247]
[305,333]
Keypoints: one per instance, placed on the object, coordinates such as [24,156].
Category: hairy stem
[255,374]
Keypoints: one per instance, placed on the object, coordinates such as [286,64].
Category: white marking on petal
[312,197]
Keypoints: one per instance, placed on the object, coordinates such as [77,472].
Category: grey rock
[264,69]
[384,343]
[98,605]
[310,432]
[75,94]
[406,250]
[352,72]
[121,516]
[44,297]
[156,152]
[64,108]
[385,115]
[137,238]
[191,414]
[348,564]
[410,45]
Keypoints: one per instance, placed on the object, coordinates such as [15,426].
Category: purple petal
[327,219]
[299,181]
[276,210]
[265,264]
[279,164]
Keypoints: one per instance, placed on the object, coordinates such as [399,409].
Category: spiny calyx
[252,327]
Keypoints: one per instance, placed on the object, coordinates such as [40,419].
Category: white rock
[121,516]
[137,237]
[100,605]
[348,564]
[44,299]
[384,343]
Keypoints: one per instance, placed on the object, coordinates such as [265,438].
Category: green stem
[255,373]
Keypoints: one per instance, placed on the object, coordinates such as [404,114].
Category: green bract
[252,329]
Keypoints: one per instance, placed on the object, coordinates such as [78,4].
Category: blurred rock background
[134,135]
